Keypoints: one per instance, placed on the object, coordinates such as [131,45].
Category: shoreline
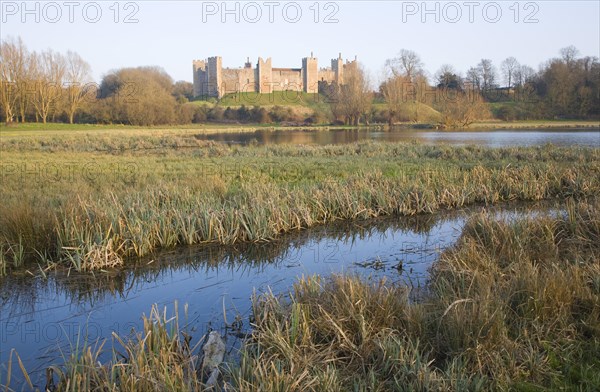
[34,129]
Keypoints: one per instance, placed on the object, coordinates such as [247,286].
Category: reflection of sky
[525,138]
[49,314]
[516,138]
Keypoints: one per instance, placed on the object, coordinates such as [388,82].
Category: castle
[212,80]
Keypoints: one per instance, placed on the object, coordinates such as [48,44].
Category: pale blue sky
[172,33]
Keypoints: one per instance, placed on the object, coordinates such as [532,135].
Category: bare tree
[49,71]
[183,91]
[460,109]
[77,75]
[488,74]
[392,90]
[8,93]
[408,78]
[522,75]
[15,74]
[407,63]
[354,97]
[569,54]
[474,78]
[419,87]
[509,67]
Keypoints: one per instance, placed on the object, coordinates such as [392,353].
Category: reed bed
[514,305]
[93,210]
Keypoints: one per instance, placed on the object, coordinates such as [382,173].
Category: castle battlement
[212,80]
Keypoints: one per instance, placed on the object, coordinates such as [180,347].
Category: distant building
[212,80]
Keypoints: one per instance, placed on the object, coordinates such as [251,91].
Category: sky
[170,34]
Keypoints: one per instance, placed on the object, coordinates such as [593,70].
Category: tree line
[50,86]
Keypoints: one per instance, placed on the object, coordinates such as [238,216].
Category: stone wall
[212,80]
[326,75]
[287,79]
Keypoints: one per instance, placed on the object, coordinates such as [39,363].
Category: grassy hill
[305,104]
[299,104]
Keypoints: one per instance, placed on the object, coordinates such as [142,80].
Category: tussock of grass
[159,358]
[514,305]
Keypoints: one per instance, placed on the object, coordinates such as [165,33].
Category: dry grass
[159,358]
[514,305]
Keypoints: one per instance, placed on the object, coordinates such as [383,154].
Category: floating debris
[214,352]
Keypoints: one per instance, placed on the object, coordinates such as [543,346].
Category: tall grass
[131,204]
[513,306]
[161,357]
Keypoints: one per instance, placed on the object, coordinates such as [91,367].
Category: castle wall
[326,75]
[247,79]
[287,79]
[212,80]
[230,81]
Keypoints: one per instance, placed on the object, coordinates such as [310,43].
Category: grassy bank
[514,305]
[90,202]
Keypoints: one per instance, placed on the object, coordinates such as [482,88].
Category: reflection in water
[41,317]
[589,137]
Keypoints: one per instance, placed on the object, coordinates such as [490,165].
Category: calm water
[589,137]
[41,317]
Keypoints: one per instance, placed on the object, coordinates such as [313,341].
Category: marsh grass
[514,305]
[160,357]
[92,210]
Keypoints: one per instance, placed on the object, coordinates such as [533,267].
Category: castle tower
[265,76]
[337,66]
[310,74]
[214,77]
[199,67]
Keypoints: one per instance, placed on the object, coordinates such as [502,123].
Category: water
[589,137]
[40,317]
